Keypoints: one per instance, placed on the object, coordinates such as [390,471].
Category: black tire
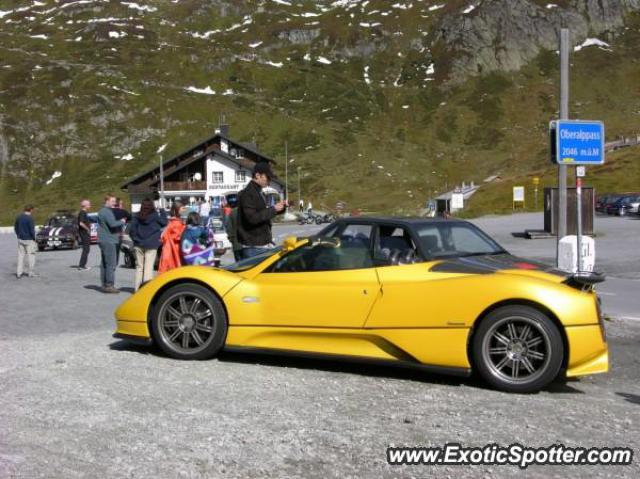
[41,248]
[318,220]
[501,346]
[206,335]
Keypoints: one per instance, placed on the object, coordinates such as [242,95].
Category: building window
[241,176]
[217,177]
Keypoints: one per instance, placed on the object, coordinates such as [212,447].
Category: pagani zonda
[436,294]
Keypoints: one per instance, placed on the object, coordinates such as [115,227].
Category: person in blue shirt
[145,231]
[26,232]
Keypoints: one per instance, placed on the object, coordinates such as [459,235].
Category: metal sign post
[579,175]
[536,182]
[564,114]
[578,143]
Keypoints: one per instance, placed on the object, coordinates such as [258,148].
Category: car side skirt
[429,368]
[134,339]
[441,347]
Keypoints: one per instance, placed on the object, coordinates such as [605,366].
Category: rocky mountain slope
[382,103]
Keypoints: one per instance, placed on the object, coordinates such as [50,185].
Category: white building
[212,170]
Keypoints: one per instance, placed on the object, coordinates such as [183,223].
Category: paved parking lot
[74,402]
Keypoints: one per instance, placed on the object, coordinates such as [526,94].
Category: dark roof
[408,221]
[246,146]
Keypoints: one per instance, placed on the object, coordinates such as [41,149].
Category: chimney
[223,130]
[223,127]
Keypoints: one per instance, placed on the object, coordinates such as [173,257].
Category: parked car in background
[607,201]
[601,203]
[624,205]
[60,231]
[220,237]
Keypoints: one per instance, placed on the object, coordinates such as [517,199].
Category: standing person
[146,228]
[197,244]
[231,226]
[120,213]
[84,229]
[205,209]
[301,205]
[25,230]
[170,238]
[108,238]
[254,215]
[309,208]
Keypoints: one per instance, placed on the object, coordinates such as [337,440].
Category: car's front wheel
[518,349]
[189,322]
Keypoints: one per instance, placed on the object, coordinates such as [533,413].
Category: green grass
[339,129]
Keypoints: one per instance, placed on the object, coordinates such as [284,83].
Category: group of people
[247,222]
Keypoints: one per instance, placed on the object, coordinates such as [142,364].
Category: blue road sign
[578,142]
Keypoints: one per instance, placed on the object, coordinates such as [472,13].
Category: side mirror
[289,244]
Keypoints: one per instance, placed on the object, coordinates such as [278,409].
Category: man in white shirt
[205,209]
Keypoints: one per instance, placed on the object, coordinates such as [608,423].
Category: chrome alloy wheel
[186,322]
[516,349]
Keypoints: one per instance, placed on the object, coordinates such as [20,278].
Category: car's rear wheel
[189,322]
[518,349]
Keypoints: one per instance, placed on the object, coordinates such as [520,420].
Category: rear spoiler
[584,279]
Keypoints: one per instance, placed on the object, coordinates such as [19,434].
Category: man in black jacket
[254,214]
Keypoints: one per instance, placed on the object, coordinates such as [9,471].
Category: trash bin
[551,210]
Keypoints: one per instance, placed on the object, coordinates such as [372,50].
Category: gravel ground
[75,403]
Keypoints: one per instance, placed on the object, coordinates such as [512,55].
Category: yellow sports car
[434,294]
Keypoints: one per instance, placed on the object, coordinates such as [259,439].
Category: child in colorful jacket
[197,244]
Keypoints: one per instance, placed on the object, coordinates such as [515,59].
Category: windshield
[445,240]
[245,264]
[58,221]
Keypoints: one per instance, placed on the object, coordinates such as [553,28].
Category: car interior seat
[397,249]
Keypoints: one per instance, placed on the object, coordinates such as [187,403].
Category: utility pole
[160,150]
[286,175]
[564,115]
[299,190]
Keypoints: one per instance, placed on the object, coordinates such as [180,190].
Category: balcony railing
[185,185]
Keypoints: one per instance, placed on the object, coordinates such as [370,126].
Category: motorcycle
[325,218]
[306,219]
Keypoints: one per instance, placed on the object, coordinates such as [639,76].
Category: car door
[413,296]
[326,284]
